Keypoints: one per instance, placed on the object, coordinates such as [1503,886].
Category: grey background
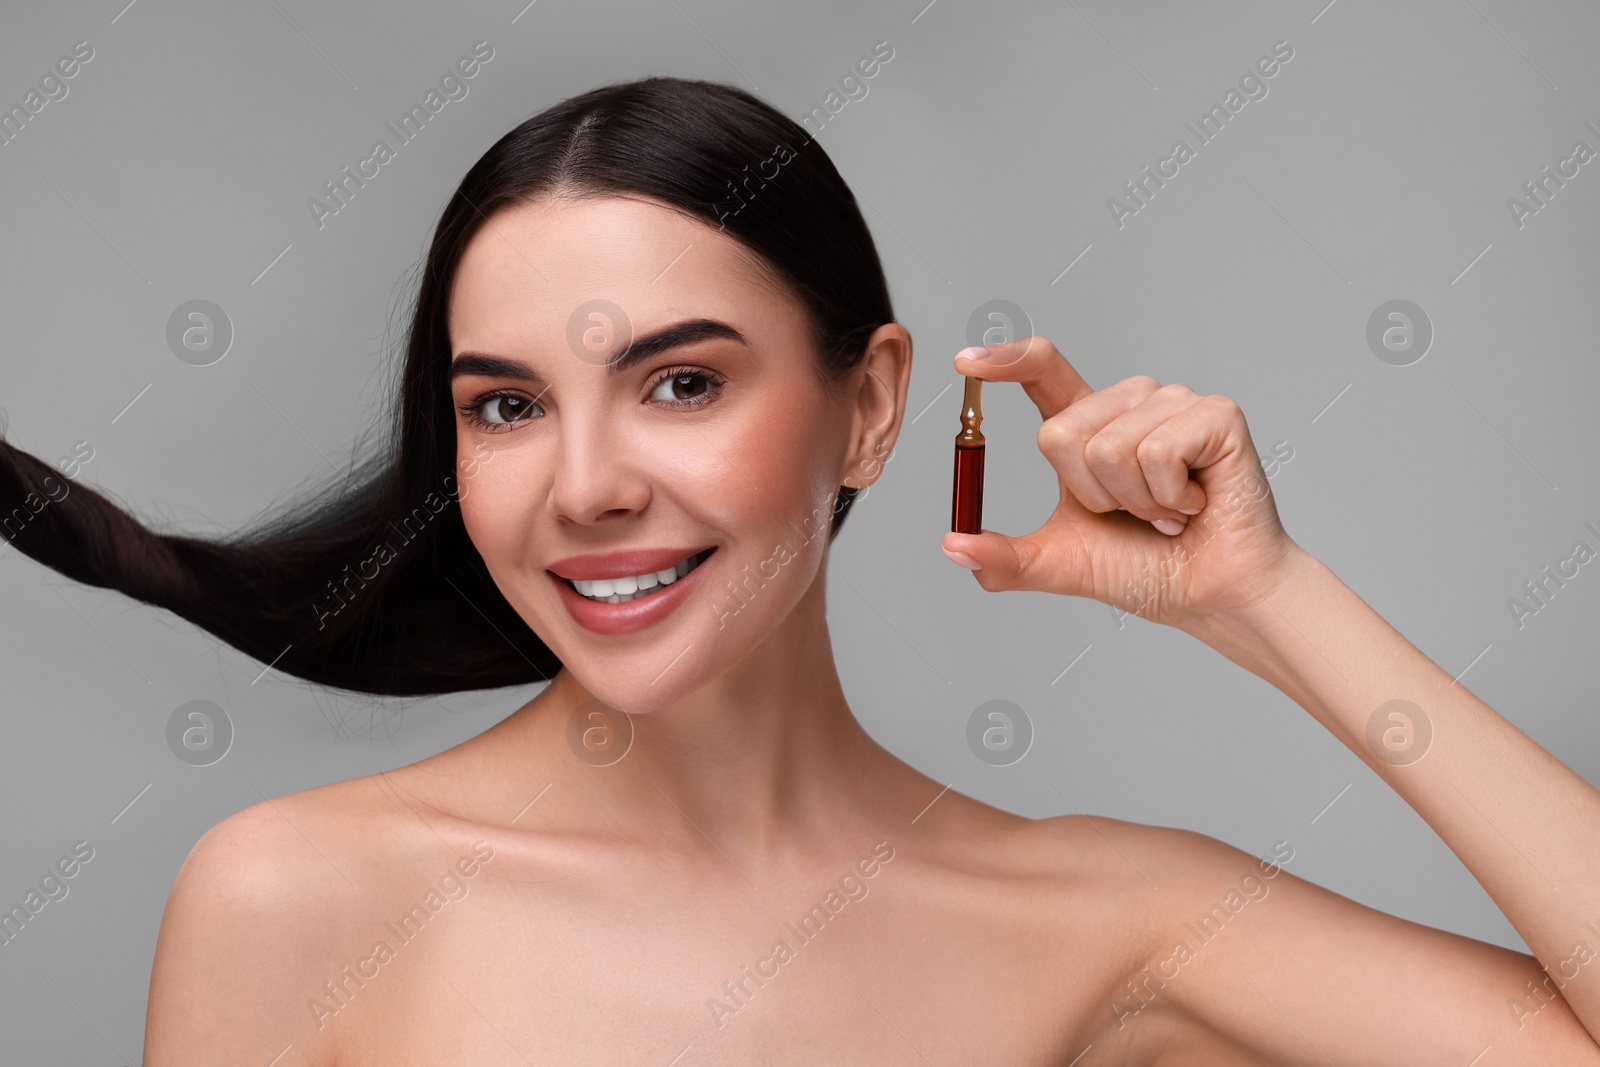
[1377,168]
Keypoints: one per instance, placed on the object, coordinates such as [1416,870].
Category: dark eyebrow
[678,334]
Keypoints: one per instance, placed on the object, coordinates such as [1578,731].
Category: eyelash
[471,410]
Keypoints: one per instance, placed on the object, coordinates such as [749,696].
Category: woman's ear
[878,399]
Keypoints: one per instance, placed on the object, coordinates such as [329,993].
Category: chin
[637,696]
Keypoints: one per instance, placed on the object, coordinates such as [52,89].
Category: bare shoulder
[251,912]
[1118,891]
[1079,905]
[1105,853]
[1093,852]
[1139,876]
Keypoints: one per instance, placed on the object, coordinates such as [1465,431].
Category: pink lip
[596,616]
[622,564]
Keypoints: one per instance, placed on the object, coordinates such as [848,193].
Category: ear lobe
[863,468]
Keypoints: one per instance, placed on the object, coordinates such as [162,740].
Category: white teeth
[618,590]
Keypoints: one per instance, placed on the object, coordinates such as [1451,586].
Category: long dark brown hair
[295,591]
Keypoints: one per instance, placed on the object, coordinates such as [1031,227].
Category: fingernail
[965,560]
[1190,511]
[978,352]
[1168,526]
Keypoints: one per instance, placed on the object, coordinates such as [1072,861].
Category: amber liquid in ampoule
[966,508]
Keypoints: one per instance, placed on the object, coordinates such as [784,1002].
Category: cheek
[490,509]
[769,474]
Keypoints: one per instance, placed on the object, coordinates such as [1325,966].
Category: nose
[599,472]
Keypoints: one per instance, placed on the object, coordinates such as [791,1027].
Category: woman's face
[725,443]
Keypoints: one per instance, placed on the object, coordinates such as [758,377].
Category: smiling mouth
[622,590]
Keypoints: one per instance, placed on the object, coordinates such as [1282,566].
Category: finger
[1143,467]
[1064,437]
[1051,563]
[1044,373]
[1200,437]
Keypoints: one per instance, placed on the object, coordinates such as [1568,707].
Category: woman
[641,392]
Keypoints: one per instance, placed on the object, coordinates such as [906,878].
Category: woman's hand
[1127,456]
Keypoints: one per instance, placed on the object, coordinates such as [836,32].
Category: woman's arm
[1243,964]
[1524,824]
[1164,512]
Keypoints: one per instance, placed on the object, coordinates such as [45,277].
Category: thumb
[1004,562]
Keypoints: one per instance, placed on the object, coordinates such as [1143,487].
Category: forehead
[529,269]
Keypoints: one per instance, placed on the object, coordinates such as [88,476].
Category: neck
[765,758]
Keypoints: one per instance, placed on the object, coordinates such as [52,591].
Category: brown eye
[499,411]
[685,387]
